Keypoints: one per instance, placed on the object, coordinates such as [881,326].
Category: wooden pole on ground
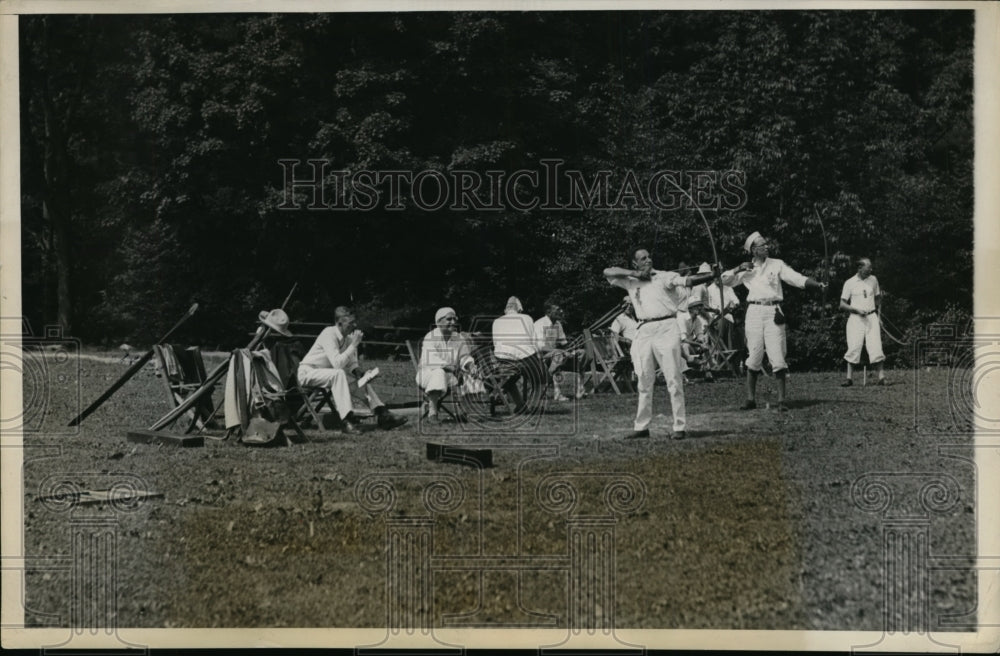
[131,371]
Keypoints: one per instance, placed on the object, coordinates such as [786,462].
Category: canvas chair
[495,375]
[183,372]
[256,398]
[605,355]
[721,358]
[304,401]
[712,355]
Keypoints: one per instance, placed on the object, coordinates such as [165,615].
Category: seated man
[550,339]
[625,324]
[445,357]
[334,356]
[514,341]
[694,338]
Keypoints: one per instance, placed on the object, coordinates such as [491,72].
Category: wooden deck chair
[183,372]
[604,354]
[414,348]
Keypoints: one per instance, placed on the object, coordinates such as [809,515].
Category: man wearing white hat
[336,348]
[765,321]
[445,356]
[656,297]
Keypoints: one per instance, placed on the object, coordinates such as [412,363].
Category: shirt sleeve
[331,348]
[878,287]
[845,294]
[671,280]
[624,283]
[733,277]
[791,276]
[464,353]
[538,335]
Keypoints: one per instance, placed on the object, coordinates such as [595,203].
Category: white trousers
[334,380]
[763,335]
[439,380]
[867,332]
[658,342]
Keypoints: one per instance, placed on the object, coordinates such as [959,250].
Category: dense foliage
[151,148]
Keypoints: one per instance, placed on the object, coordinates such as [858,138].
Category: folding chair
[414,348]
[495,375]
[719,357]
[256,393]
[183,372]
[303,400]
[604,354]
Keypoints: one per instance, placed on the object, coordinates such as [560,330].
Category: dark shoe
[639,434]
[388,421]
[782,407]
[847,383]
[749,405]
[349,428]
[882,382]
[678,435]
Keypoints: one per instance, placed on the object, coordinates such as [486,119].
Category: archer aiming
[765,321]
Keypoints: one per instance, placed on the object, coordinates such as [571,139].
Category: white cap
[748,244]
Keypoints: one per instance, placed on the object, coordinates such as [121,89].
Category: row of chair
[183,372]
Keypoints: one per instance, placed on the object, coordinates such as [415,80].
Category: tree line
[152,149]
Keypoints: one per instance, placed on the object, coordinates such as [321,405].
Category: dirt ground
[759,520]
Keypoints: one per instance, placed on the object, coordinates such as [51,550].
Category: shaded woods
[151,147]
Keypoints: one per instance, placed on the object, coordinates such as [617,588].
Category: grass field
[759,520]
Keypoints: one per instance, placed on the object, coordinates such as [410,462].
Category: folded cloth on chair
[251,383]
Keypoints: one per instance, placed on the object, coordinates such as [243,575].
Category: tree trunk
[60,245]
[55,204]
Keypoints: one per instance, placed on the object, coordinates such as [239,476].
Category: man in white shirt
[514,342]
[861,297]
[551,342]
[765,321]
[656,297]
[719,303]
[334,355]
[446,361]
[625,324]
